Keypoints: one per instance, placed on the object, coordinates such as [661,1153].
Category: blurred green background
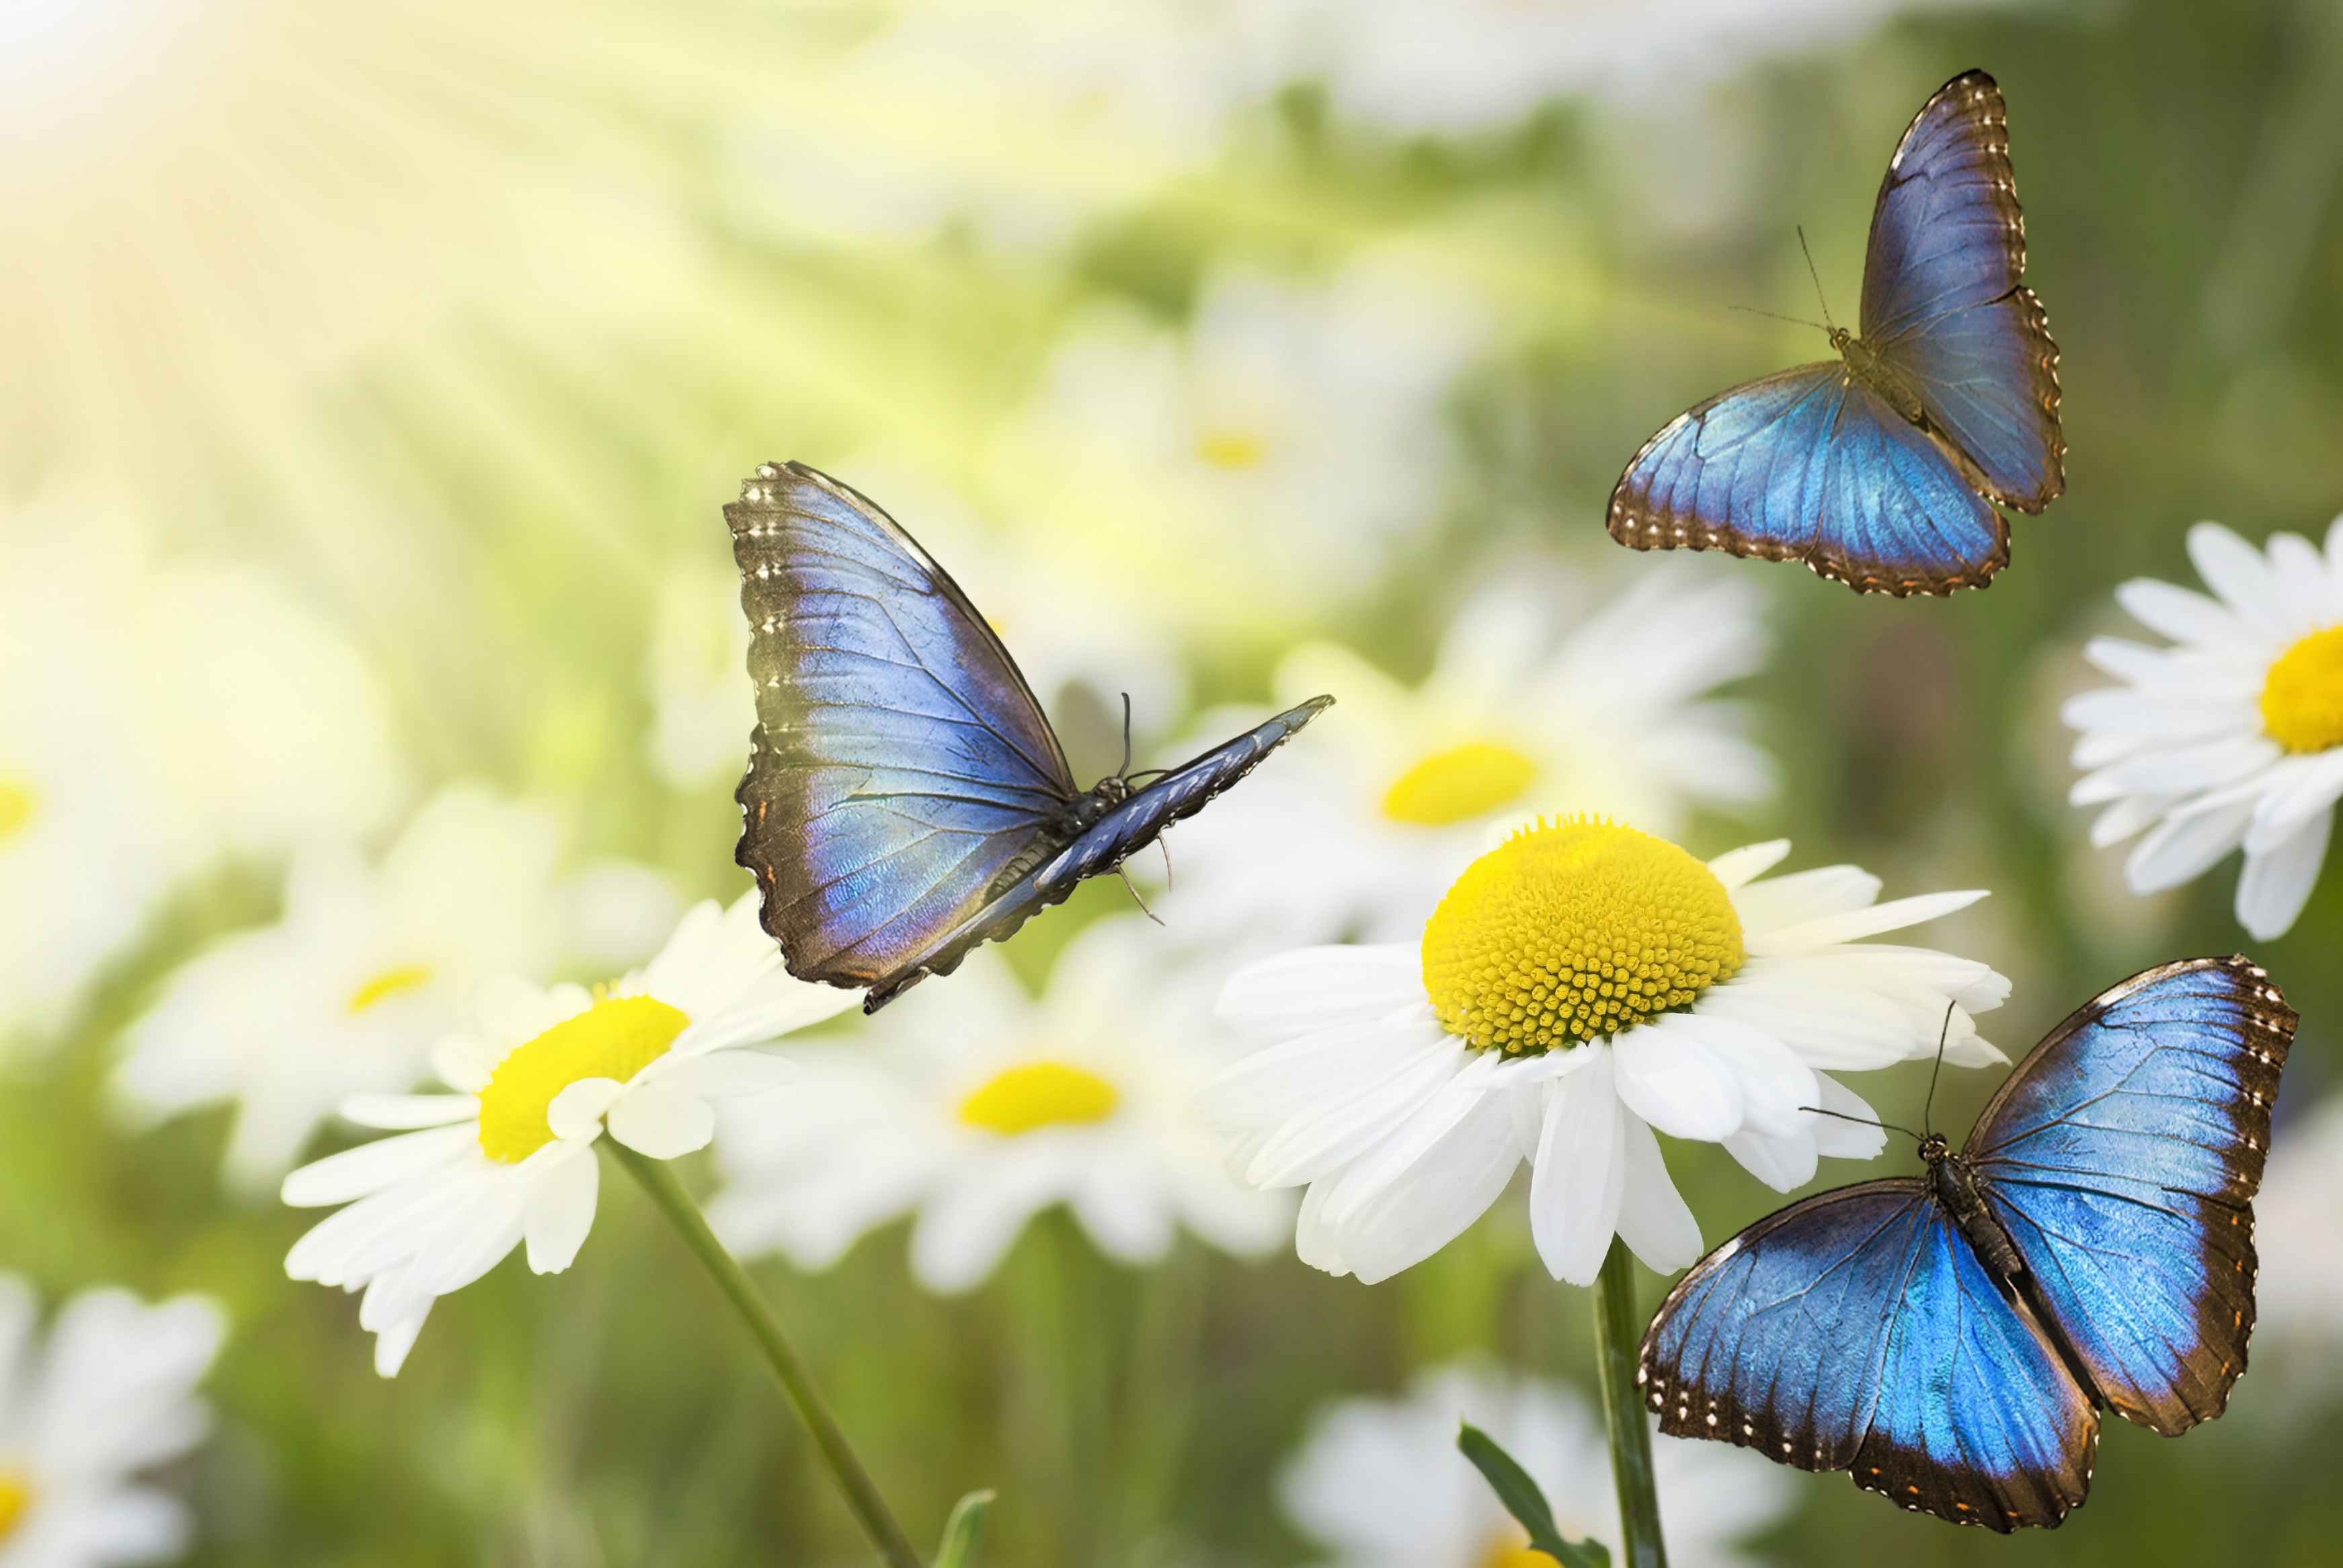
[477,379]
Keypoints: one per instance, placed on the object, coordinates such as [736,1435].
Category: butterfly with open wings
[1881,468]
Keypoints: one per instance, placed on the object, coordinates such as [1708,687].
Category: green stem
[1618,1332]
[862,1495]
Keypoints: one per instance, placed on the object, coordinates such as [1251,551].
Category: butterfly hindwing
[2121,1155]
[900,762]
[1943,303]
[1810,465]
[1104,845]
[1978,1419]
[1856,1331]
[1180,794]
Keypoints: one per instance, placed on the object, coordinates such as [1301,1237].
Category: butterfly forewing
[1774,1340]
[1943,304]
[1809,465]
[899,762]
[2122,1156]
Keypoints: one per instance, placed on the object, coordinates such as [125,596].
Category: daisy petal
[405,1112]
[661,1120]
[577,1111]
[1783,1163]
[1737,867]
[2277,882]
[1453,1185]
[1655,1220]
[371,1166]
[1667,1075]
[1579,1179]
[1894,915]
[2180,849]
[561,1211]
[1312,989]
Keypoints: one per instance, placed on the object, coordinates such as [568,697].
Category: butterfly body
[1949,1339]
[1882,469]
[905,800]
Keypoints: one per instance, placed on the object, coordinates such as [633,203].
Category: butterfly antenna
[1818,280]
[1125,774]
[1864,1121]
[1938,1071]
[1798,321]
[1143,909]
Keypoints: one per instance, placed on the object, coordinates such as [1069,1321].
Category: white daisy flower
[1380,1484]
[1017,118]
[1269,458]
[110,1394]
[153,718]
[977,1115]
[2232,736]
[369,966]
[509,1157]
[1462,66]
[1581,987]
[1529,707]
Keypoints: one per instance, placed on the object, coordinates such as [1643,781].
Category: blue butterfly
[1875,468]
[1949,1339]
[905,800]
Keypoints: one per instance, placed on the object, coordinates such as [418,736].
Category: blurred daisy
[2299,1238]
[1380,1484]
[344,995]
[1580,987]
[110,1394]
[1526,709]
[2232,736]
[1018,117]
[1273,459]
[702,704]
[1461,66]
[980,1115]
[509,1157]
[152,720]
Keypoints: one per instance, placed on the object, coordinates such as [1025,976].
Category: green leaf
[1524,1501]
[962,1530]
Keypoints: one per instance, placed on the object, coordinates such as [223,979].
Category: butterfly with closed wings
[905,800]
[1949,1339]
[1882,469]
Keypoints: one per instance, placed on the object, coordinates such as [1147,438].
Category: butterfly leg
[1143,909]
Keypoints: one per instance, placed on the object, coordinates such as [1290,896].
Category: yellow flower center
[1459,784]
[1039,1094]
[1572,931]
[388,983]
[16,1496]
[617,1036]
[1512,1549]
[2302,696]
[1232,449]
[18,806]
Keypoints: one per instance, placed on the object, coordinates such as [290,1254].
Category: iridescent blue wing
[900,762]
[1810,465]
[1943,305]
[1856,1331]
[1135,823]
[2121,1156]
